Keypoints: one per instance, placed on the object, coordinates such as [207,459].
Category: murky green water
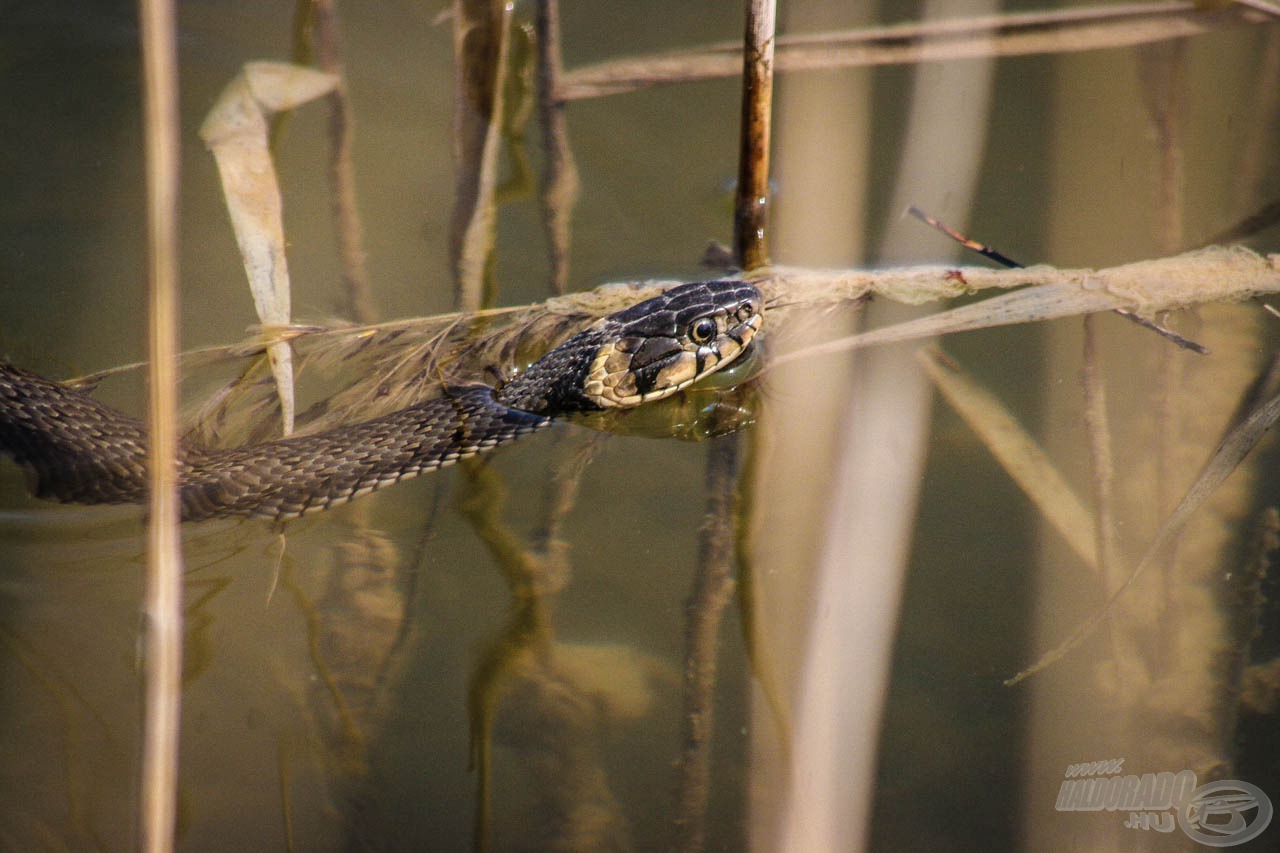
[334,674]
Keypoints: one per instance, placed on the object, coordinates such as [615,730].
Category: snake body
[80,450]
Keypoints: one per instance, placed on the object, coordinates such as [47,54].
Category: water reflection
[413,645]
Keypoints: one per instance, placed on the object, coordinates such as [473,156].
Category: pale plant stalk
[1155,695]
[163,608]
[822,130]
[862,565]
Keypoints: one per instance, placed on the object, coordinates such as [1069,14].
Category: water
[335,676]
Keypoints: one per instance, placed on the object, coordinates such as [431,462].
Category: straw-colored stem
[163,607]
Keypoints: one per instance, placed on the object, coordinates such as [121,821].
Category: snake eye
[702,330]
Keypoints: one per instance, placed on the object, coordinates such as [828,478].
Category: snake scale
[79,450]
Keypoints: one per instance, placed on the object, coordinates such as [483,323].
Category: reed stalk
[163,605]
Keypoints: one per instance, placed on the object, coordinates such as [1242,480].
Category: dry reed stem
[481,40]
[1015,34]
[714,583]
[163,608]
[1237,444]
[360,305]
[751,205]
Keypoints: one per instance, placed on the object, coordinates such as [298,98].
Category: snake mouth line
[631,371]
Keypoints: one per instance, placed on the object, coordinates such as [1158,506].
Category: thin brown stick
[752,202]
[163,608]
[560,175]
[360,305]
[715,581]
[1018,34]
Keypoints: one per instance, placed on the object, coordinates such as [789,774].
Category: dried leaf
[236,132]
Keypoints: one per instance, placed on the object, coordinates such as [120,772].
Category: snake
[77,449]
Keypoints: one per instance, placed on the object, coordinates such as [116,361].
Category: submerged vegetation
[1141,611]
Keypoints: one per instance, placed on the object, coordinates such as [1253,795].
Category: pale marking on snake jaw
[611,383]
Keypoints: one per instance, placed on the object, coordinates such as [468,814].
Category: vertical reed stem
[163,608]
[715,581]
[752,203]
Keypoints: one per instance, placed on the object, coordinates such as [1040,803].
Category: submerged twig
[704,614]
[1261,138]
[1237,444]
[1163,69]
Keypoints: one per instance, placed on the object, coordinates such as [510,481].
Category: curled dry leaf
[236,132]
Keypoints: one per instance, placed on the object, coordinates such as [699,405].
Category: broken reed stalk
[163,607]
[360,305]
[751,206]
[715,581]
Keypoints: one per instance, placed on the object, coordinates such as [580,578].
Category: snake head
[646,352]
[664,344]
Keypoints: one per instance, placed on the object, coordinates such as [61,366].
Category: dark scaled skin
[79,450]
